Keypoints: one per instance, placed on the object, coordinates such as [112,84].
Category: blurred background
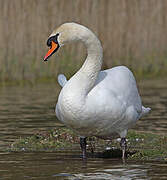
[133,33]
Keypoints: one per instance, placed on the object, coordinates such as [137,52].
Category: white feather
[62,79]
[94,102]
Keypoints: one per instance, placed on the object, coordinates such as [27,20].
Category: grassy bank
[141,146]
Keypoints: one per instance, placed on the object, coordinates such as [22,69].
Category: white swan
[93,102]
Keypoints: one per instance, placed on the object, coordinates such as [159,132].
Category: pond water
[28,109]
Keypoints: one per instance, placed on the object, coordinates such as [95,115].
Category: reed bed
[133,33]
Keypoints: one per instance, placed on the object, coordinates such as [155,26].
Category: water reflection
[44,165]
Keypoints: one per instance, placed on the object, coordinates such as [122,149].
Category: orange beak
[52,50]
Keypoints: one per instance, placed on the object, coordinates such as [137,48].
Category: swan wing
[115,94]
[122,83]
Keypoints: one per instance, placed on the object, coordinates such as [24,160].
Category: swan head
[67,32]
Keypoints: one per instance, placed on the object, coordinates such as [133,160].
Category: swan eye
[52,38]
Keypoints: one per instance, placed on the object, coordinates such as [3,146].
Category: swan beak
[54,47]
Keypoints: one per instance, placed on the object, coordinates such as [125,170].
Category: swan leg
[83,146]
[123,146]
[92,147]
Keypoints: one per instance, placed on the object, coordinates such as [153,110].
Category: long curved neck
[85,78]
[76,90]
[93,62]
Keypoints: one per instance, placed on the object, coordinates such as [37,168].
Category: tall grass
[133,33]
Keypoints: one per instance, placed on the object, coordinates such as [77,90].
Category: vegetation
[141,146]
[133,33]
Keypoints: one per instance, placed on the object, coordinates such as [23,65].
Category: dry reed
[133,33]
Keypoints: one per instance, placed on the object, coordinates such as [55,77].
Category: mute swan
[94,102]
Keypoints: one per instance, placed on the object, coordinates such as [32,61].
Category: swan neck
[84,80]
[93,62]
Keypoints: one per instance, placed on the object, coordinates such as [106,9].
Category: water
[25,110]
[154,95]
[44,165]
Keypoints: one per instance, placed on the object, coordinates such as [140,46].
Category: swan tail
[62,79]
[145,111]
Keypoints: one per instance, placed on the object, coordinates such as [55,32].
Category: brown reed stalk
[133,33]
